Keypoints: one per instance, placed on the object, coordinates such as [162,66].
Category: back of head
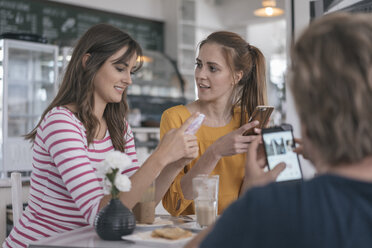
[332,86]
[241,56]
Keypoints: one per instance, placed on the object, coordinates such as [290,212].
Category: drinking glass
[205,191]
[144,210]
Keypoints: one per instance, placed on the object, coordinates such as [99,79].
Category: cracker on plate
[172,233]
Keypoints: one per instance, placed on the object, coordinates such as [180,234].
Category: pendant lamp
[268,9]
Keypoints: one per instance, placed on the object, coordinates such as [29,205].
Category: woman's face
[112,79]
[214,80]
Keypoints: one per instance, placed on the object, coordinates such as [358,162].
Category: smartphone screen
[279,145]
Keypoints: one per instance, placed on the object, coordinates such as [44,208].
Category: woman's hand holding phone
[234,142]
[254,172]
[176,144]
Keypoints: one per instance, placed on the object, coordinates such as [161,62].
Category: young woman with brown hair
[230,80]
[86,121]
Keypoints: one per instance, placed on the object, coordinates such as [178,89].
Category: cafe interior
[36,44]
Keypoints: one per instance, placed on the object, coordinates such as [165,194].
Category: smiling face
[213,77]
[113,78]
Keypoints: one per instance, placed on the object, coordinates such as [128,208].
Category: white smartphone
[279,144]
[195,125]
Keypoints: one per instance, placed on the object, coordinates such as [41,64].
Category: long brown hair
[101,42]
[241,56]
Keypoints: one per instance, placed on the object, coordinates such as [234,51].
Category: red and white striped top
[65,191]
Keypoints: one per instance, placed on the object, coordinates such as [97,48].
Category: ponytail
[253,83]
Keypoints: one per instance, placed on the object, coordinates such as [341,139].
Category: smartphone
[195,124]
[279,144]
[262,114]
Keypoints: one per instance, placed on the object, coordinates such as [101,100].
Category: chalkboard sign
[62,24]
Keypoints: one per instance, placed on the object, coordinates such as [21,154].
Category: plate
[144,238]
[158,222]
[187,217]
[191,226]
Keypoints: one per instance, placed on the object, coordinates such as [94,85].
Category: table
[82,237]
[86,237]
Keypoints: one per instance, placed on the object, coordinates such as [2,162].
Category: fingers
[261,162]
[252,150]
[193,152]
[247,126]
[298,150]
[298,141]
[191,140]
[257,131]
[187,123]
[247,139]
[274,173]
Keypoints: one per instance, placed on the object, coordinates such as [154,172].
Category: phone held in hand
[279,144]
[195,125]
[262,114]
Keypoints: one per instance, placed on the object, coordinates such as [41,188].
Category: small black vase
[114,221]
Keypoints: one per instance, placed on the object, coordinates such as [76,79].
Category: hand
[254,173]
[234,142]
[177,145]
[300,148]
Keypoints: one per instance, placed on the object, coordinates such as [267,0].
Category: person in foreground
[84,122]
[230,79]
[332,88]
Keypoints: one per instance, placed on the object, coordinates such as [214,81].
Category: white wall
[170,17]
[301,21]
[268,36]
[207,19]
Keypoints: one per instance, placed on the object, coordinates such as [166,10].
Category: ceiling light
[269,9]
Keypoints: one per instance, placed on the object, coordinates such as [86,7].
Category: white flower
[122,182]
[102,170]
[107,186]
[117,160]
[110,171]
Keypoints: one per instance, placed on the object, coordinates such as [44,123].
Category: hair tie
[249,47]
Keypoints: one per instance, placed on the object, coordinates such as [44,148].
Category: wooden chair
[16,187]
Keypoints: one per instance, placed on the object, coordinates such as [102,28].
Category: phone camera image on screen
[279,148]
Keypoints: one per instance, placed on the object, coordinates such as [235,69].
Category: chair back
[17,205]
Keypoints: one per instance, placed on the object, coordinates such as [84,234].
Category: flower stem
[111,176]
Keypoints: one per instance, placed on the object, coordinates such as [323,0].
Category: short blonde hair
[332,86]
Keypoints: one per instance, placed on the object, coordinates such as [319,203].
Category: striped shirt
[65,191]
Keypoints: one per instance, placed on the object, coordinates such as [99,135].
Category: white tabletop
[82,237]
[86,237]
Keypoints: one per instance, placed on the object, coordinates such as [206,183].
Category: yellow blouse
[230,169]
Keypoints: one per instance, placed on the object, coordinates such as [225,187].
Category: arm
[174,146]
[166,177]
[63,139]
[228,145]
[167,183]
